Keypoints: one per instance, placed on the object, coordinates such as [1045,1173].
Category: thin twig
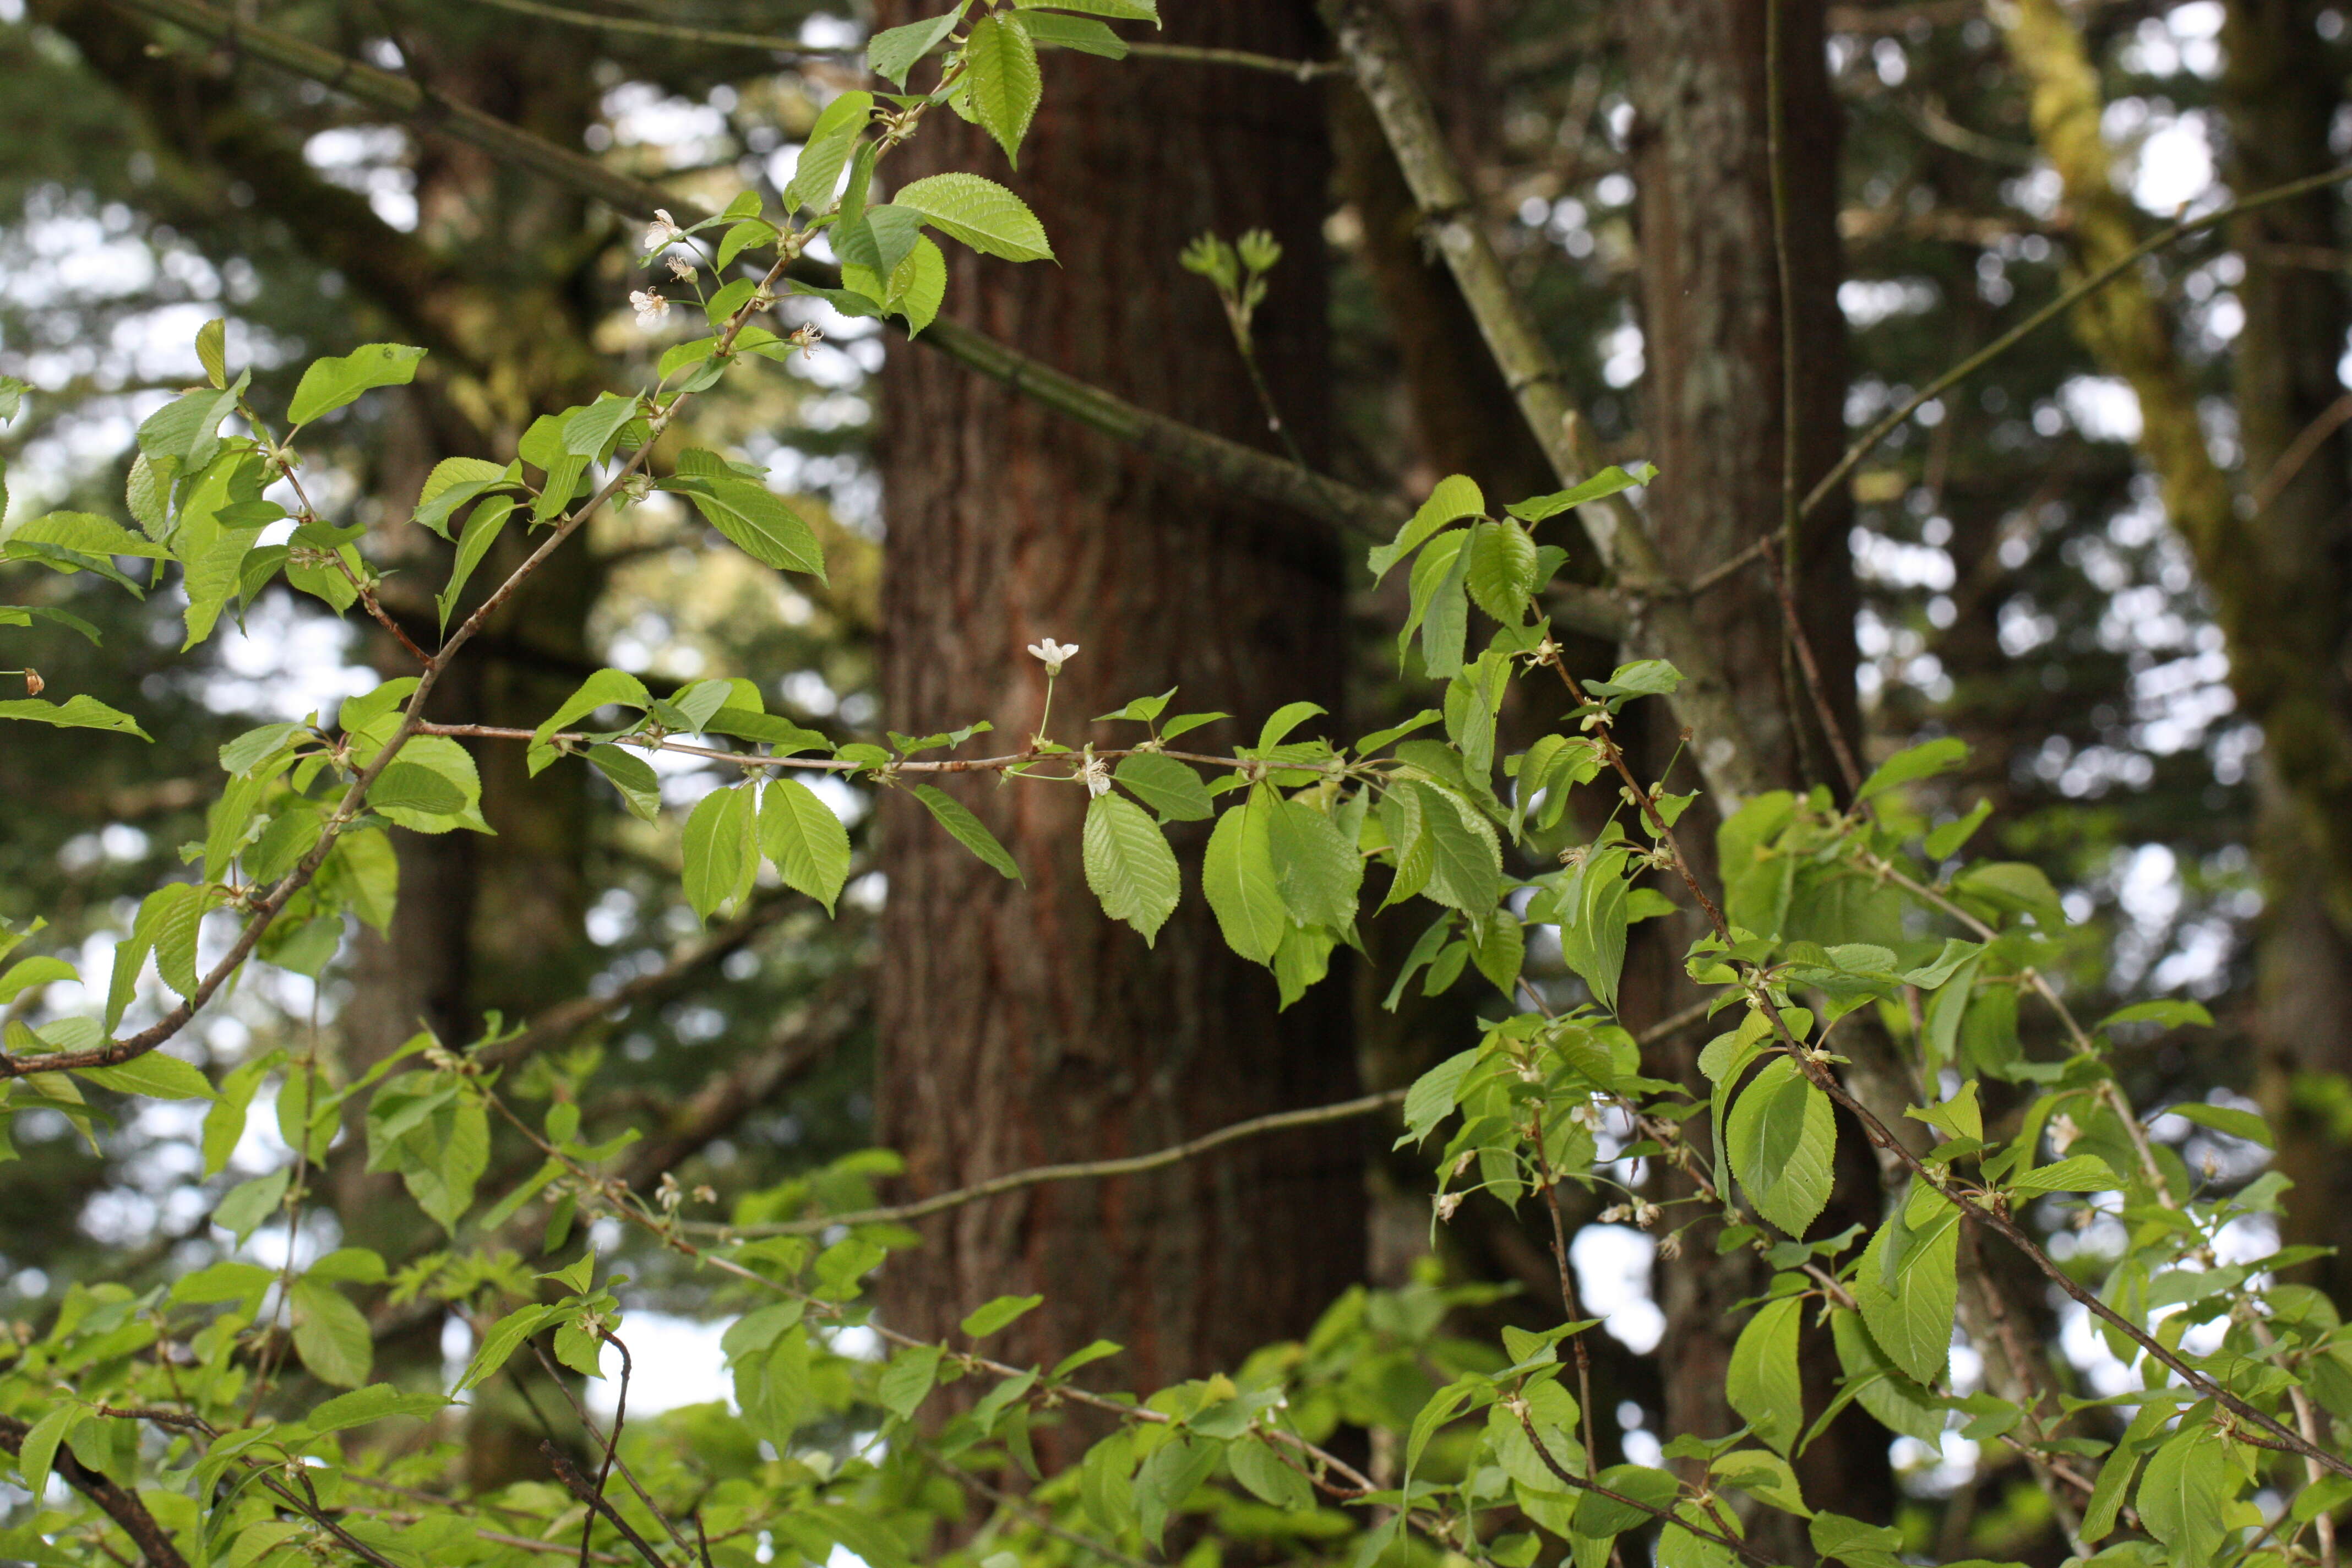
[577,1485]
[1526,1423]
[1128,1165]
[2299,452]
[2066,301]
[1021,1508]
[1783,568]
[611,1446]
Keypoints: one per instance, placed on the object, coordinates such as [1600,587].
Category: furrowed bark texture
[1017,1026]
[1712,411]
[2281,92]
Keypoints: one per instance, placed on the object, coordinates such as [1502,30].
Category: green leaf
[606,688]
[37,1454]
[1879,1386]
[986,1320]
[1908,1286]
[721,850]
[226,1281]
[920,286]
[834,136]
[639,786]
[907,1382]
[224,1123]
[155,1075]
[2075,1174]
[1169,1478]
[1764,1476]
[2181,1495]
[187,428]
[2014,886]
[410,787]
[968,830]
[591,431]
[1080,33]
[1502,570]
[78,713]
[807,842]
[1851,1541]
[754,517]
[981,213]
[1783,1142]
[2222,1118]
[1643,678]
[892,53]
[211,342]
[1167,786]
[482,530]
[507,1336]
[1593,923]
[1259,1468]
[1937,757]
[772,1388]
[1608,481]
[873,246]
[1002,81]
[1946,841]
[1600,1516]
[1466,858]
[1498,947]
[331,1335]
[244,1206]
[377,1402]
[26,615]
[1763,1386]
[2168,1013]
[454,482]
[1238,878]
[431,787]
[1455,499]
[1117,10]
[1129,865]
[1315,868]
[31,972]
[1438,609]
[329,383]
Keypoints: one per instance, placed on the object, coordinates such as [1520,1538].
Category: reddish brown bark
[1712,407]
[1018,1025]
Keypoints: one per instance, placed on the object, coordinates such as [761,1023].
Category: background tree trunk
[2281,92]
[1017,1025]
[1712,412]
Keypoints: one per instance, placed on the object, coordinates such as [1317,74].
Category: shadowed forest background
[2116,562]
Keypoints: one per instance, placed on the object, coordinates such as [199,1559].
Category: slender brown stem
[1783,568]
[1020,1509]
[1256,1127]
[1526,1423]
[577,1485]
[1575,1314]
[2065,301]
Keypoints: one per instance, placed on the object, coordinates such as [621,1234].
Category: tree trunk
[1017,1025]
[2281,92]
[1713,407]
